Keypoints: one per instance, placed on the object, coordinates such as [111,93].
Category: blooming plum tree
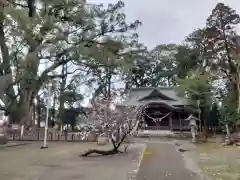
[116,124]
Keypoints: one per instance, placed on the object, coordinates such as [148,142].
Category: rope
[157,119]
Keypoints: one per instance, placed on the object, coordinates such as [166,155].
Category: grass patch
[220,163]
[223,172]
[147,152]
[209,147]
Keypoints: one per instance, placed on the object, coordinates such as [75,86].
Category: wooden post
[170,121]
[51,135]
[38,134]
[14,133]
[180,121]
[66,135]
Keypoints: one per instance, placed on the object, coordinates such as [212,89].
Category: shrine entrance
[161,116]
[158,116]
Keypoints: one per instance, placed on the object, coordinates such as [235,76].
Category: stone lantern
[193,125]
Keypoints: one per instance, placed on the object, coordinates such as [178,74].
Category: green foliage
[220,27]
[139,74]
[90,36]
[103,48]
[164,65]
[186,60]
[228,113]
[197,86]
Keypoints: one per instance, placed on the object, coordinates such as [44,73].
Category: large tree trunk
[228,140]
[234,91]
[101,152]
[205,133]
[114,150]
[62,89]
[5,67]
[238,90]
[24,110]
[53,115]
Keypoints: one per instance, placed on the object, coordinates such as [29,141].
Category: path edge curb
[135,171]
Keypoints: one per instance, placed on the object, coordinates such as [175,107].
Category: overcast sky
[169,21]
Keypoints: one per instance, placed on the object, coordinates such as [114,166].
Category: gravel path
[162,162]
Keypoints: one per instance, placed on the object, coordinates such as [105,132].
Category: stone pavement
[161,161]
[61,161]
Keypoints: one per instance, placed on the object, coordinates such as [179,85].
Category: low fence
[52,135]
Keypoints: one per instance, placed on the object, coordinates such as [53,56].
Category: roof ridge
[152,88]
[143,88]
[166,87]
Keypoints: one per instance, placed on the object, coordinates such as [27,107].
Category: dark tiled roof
[137,94]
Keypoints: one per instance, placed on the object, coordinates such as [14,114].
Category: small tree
[116,124]
[228,118]
[197,87]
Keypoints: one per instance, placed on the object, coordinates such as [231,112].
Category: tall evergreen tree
[221,26]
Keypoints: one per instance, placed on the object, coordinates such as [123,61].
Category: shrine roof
[145,95]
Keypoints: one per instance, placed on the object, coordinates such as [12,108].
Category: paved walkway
[162,162]
[61,161]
